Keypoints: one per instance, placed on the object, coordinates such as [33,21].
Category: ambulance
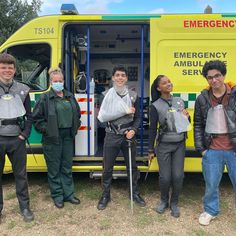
[87,47]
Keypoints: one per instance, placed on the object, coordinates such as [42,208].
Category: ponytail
[155,94]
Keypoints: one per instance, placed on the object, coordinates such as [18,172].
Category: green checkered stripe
[33,98]
[35,138]
[188,98]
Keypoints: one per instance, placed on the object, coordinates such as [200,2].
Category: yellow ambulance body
[148,45]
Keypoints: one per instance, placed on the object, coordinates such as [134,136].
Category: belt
[8,122]
[121,126]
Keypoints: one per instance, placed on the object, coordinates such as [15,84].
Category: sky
[139,6]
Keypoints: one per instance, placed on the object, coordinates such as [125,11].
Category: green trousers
[59,163]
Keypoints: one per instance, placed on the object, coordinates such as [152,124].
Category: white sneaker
[205,218]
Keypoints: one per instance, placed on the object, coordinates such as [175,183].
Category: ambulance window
[33,62]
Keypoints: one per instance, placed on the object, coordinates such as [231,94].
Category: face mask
[57,86]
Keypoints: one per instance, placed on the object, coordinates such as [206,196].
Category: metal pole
[88,87]
[67,62]
[142,88]
[130,176]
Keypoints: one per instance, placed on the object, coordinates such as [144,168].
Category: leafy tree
[15,13]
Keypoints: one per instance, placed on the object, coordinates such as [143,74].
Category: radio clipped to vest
[175,119]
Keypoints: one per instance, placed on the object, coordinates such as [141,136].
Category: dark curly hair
[214,65]
[154,92]
[119,68]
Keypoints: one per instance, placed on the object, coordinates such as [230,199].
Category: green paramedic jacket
[45,117]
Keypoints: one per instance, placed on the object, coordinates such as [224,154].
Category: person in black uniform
[170,141]
[120,109]
[57,116]
[15,128]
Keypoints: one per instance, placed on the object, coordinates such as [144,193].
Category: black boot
[59,204]
[74,200]
[106,184]
[174,204]
[164,203]
[136,195]
[139,200]
[162,207]
[175,210]
[27,214]
[102,204]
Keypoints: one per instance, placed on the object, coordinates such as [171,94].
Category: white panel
[81,139]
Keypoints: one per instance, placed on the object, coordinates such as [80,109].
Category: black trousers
[170,157]
[16,150]
[113,144]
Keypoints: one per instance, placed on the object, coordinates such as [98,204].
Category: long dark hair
[154,92]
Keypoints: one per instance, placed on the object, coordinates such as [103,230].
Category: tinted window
[33,62]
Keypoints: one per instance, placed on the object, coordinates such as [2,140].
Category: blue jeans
[213,163]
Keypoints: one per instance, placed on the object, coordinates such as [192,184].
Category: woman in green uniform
[57,117]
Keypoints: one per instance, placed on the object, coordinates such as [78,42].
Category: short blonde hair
[55,71]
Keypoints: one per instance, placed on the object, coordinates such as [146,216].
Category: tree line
[14,14]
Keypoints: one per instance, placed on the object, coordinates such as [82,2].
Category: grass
[224,205]
[34,193]
[190,198]
[11,224]
[92,194]
[199,232]
[89,189]
[10,195]
[15,208]
[117,219]
[143,220]
[161,218]
[46,217]
[30,225]
[105,223]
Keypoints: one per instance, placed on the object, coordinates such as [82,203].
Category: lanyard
[169,103]
[219,100]
[8,88]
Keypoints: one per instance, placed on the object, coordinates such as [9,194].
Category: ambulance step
[120,163]
[115,175]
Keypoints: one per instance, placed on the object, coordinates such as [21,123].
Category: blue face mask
[57,86]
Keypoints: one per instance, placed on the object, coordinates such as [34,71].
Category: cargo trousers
[59,159]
